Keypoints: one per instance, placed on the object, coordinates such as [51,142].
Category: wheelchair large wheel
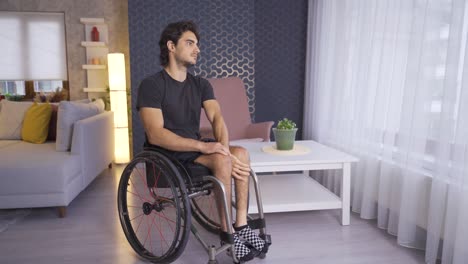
[154,208]
[204,210]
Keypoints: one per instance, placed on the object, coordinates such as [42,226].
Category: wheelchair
[157,198]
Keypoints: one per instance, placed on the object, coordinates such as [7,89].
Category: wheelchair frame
[184,189]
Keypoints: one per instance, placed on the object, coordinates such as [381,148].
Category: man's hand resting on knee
[240,170]
[214,147]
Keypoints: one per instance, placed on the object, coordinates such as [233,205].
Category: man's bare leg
[242,187]
[220,165]
[225,168]
[242,196]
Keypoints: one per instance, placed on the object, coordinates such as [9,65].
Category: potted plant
[52,97]
[14,97]
[285,134]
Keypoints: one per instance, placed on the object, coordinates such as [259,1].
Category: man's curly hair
[173,32]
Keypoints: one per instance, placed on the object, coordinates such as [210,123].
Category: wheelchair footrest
[227,238]
[256,223]
[266,238]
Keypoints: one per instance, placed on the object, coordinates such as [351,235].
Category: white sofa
[36,175]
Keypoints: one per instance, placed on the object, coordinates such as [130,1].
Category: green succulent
[14,97]
[286,124]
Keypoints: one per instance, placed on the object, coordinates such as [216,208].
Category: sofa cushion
[36,123]
[68,114]
[11,118]
[7,143]
[28,168]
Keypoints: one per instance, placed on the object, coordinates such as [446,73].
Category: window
[32,47]
[12,87]
[47,86]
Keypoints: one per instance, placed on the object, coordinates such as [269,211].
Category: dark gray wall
[280,48]
[230,32]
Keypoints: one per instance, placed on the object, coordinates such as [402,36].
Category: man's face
[186,51]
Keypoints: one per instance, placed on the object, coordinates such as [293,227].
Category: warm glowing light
[122,149]
[119,107]
[116,66]
[118,100]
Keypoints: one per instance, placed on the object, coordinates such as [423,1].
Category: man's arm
[213,113]
[240,170]
[153,123]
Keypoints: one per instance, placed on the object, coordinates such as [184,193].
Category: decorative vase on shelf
[94,34]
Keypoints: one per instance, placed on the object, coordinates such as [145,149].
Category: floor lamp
[118,102]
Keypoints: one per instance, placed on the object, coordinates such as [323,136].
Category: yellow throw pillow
[36,123]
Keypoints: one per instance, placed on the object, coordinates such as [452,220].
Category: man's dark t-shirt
[180,102]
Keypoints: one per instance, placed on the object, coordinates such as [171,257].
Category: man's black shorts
[186,157]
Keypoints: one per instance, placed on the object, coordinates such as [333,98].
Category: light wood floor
[91,233]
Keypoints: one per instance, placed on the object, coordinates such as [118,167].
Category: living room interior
[380,81]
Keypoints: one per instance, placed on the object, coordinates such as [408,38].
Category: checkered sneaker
[250,236]
[243,253]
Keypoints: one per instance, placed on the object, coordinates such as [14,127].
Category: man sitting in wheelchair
[169,103]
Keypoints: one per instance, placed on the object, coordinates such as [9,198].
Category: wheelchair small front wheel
[154,208]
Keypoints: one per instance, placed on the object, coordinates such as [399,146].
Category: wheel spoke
[144,242]
[157,179]
[151,243]
[138,227]
[167,219]
[161,234]
[136,217]
[164,216]
[139,196]
[160,227]
[141,177]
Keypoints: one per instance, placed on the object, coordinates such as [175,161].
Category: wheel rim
[150,209]
[205,212]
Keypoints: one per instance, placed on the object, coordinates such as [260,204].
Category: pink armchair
[231,95]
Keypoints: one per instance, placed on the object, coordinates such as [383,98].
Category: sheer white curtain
[387,81]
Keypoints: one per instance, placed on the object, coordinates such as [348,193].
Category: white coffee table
[299,192]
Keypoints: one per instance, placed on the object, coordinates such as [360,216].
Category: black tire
[151,190]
